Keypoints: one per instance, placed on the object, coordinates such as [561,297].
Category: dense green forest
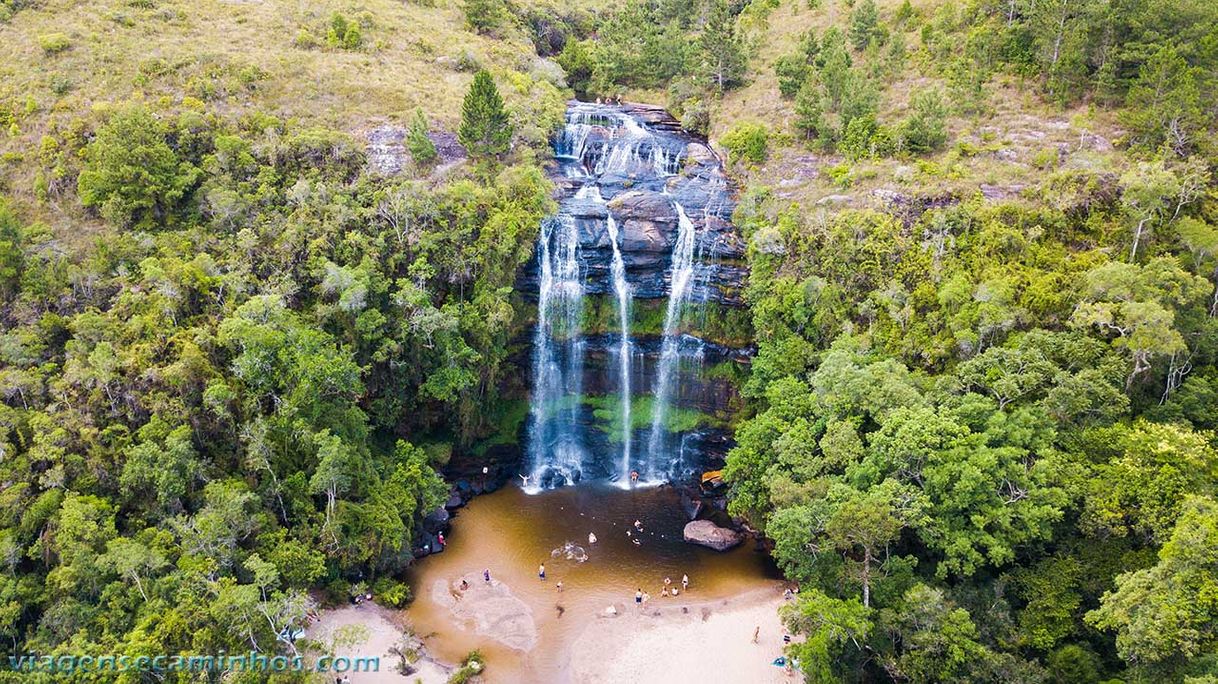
[980,435]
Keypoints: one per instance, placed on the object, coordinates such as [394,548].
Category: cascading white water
[670,357]
[558,352]
[621,290]
[608,151]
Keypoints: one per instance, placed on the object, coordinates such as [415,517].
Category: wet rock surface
[710,535]
[638,183]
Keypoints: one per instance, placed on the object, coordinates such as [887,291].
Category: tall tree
[1164,107]
[723,56]
[1171,609]
[485,129]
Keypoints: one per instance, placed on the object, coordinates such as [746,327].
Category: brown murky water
[511,533]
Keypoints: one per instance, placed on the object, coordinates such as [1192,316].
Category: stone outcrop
[641,202]
[708,534]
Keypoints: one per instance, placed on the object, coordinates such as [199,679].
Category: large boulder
[647,221]
[709,534]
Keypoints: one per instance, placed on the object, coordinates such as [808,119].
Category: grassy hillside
[65,63]
[1009,143]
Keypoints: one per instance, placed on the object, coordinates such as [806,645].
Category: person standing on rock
[541,571]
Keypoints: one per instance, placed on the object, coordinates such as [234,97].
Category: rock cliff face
[639,267]
[640,182]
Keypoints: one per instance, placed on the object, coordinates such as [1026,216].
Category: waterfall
[646,248]
[558,354]
[670,356]
[621,290]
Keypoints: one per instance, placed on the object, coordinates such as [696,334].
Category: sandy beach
[671,642]
[369,630]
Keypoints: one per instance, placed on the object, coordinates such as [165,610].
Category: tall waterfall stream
[624,230]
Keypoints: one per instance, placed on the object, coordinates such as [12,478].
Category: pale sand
[712,642]
[378,633]
[490,607]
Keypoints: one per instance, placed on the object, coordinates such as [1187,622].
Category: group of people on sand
[641,597]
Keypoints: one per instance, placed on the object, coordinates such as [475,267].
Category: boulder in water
[710,535]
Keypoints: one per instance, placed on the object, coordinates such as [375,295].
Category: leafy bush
[747,141]
[840,175]
[54,43]
[473,665]
[130,173]
[305,40]
[484,16]
[696,118]
[343,34]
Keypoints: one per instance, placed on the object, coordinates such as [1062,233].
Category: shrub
[747,141]
[857,138]
[473,665]
[422,149]
[54,43]
[576,60]
[840,175]
[926,128]
[696,118]
[305,40]
[1046,158]
[791,71]
[483,16]
[343,33]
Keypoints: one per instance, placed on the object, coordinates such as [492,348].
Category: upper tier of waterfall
[644,215]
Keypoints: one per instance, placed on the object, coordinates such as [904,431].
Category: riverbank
[526,628]
[671,642]
[371,631]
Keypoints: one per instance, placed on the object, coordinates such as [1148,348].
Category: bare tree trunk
[1137,237]
[867,577]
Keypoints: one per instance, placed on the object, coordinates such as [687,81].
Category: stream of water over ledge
[644,221]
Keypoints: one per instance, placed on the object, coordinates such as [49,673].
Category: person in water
[684,582]
[667,582]
[638,525]
[634,477]
[664,592]
[464,584]
[541,571]
[559,586]
[486,575]
[591,538]
[638,596]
